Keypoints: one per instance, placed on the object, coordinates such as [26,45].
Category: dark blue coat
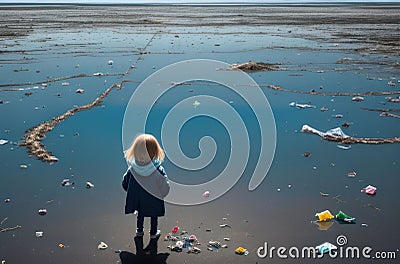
[145,193]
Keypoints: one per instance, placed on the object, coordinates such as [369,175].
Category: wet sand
[80,218]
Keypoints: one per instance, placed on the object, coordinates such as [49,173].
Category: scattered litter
[224,246]
[66,182]
[315,167]
[278,189]
[192,238]
[194,250]
[346,125]
[214,245]
[224,225]
[39,234]
[254,66]
[364,225]
[344,218]
[177,247]
[289,186]
[117,251]
[175,229]
[79,91]
[357,98]
[206,194]
[3,141]
[23,166]
[42,211]
[324,194]
[325,248]
[371,190]
[241,251]
[301,106]
[102,246]
[208,230]
[110,62]
[89,185]
[391,83]
[196,104]
[344,147]
[307,154]
[98,74]
[7,200]
[61,245]
[337,116]
[323,109]
[3,262]
[323,226]
[324,216]
[351,174]
[65,84]
[227,239]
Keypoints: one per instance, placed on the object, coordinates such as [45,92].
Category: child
[145,182]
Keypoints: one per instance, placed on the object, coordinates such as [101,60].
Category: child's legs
[153,225]
[139,223]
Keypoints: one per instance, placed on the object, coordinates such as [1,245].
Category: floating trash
[227,239]
[224,225]
[364,225]
[344,147]
[342,217]
[102,246]
[177,247]
[7,200]
[301,106]
[206,194]
[117,251]
[196,104]
[325,248]
[371,190]
[89,185]
[61,245]
[324,194]
[357,98]
[346,125]
[175,229]
[42,211]
[23,166]
[3,141]
[338,116]
[324,216]
[79,91]
[351,174]
[39,234]
[65,182]
[110,62]
[241,251]
[194,250]
[65,84]
[323,109]
[98,74]
[192,238]
[307,154]
[214,245]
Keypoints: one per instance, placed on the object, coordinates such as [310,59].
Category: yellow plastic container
[324,216]
[240,250]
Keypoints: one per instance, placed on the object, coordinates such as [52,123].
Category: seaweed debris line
[337,135]
[34,135]
[254,67]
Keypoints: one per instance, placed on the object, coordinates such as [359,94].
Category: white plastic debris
[98,74]
[206,194]
[102,246]
[89,185]
[3,141]
[344,147]
[301,106]
[42,211]
[357,98]
[39,234]
[110,62]
[79,91]
[65,83]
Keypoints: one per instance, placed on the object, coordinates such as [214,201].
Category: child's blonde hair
[144,149]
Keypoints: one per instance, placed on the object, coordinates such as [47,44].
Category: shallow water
[80,218]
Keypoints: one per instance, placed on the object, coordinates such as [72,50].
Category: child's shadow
[147,255]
